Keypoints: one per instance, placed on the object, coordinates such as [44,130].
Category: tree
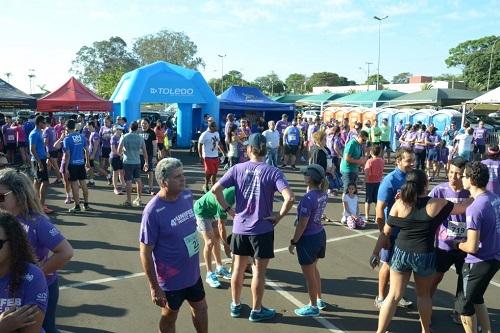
[426,86]
[474,56]
[323,79]
[173,47]
[95,65]
[448,77]
[402,78]
[373,80]
[270,84]
[296,83]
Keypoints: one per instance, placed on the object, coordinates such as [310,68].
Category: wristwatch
[292,242]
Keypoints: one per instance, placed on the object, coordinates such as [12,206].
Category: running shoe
[212,280]
[86,206]
[126,204]
[404,303]
[263,314]
[307,311]
[110,179]
[223,273]
[378,302]
[137,202]
[68,200]
[57,181]
[302,159]
[321,304]
[117,192]
[76,209]
[294,167]
[47,210]
[283,166]
[235,310]
[90,184]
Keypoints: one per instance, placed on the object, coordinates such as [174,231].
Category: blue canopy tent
[244,100]
[162,82]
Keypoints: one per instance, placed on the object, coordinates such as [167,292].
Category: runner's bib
[192,244]
[11,138]
[456,229]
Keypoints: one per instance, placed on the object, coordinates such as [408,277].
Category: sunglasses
[3,195]
[2,242]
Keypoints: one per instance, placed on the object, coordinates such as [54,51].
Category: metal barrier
[493,138]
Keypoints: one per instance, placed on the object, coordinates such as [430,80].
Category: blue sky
[258,36]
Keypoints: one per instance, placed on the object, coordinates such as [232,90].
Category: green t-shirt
[375,134]
[386,133]
[207,206]
[354,149]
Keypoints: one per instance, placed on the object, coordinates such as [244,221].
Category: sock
[234,304]
[255,310]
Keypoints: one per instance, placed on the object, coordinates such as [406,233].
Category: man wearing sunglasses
[39,160]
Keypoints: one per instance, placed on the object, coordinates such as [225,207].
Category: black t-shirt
[417,230]
[149,136]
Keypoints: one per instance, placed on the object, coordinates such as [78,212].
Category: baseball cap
[257,140]
[118,127]
[315,171]
[493,150]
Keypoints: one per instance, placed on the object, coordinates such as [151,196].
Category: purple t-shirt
[170,228]
[433,141]
[408,137]
[9,134]
[480,135]
[105,133]
[33,291]
[454,227]
[312,205]
[95,138]
[50,134]
[255,184]
[43,237]
[484,215]
[494,182]
[281,125]
[115,141]
[420,136]
[444,152]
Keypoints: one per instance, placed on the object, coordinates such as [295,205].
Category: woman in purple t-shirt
[23,289]
[482,247]
[310,237]
[52,250]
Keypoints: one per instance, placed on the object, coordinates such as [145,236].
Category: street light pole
[491,62]
[368,75]
[378,62]
[31,75]
[222,56]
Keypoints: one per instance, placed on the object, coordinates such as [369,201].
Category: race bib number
[192,244]
[11,137]
[292,137]
[456,229]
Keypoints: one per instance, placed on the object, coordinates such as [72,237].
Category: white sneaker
[137,202]
[212,280]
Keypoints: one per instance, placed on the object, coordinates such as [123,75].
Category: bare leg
[367,211]
[167,320]
[258,282]
[240,264]
[129,191]
[469,323]
[383,279]
[199,315]
[396,291]
[424,300]
[483,318]
[208,238]
[85,191]
[313,289]
[76,192]
[43,191]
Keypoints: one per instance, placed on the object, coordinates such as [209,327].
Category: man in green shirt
[375,133]
[353,159]
[210,219]
[385,139]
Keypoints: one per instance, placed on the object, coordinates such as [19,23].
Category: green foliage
[328,79]
[296,83]
[270,84]
[173,47]
[232,78]
[426,86]
[373,80]
[448,77]
[402,78]
[474,56]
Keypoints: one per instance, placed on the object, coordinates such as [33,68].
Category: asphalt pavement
[103,288]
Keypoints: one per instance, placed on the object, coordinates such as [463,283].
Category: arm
[66,158]
[14,319]
[379,214]
[346,207]
[145,154]
[87,160]
[299,229]
[95,145]
[157,294]
[35,155]
[219,196]
[37,325]
[471,245]
[288,199]
[459,208]
[120,147]
[221,226]
[62,253]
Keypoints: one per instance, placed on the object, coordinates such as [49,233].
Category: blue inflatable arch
[162,82]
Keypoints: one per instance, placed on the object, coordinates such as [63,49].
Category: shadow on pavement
[90,245]
[75,329]
[93,309]
[75,266]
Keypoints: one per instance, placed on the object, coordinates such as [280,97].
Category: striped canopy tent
[372,98]
[434,97]
[488,102]
[287,98]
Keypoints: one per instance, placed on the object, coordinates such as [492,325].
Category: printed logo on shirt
[187,196]
[77,139]
[182,217]
[28,277]
[8,303]
[160,209]
[42,297]
[54,232]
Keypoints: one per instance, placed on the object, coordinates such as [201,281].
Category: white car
[309,114]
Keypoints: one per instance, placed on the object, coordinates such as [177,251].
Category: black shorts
[444,260]
[150,163]
[256,246]
[41,175]
[385,145]
[131,172]
[175,298]
[11,146]
[479,149]
[105,151]
[116,163]
[23,144]
[77,172]
[160,146]
[311,248]
[476,279]
[291,149]
[54,154]
[371,192]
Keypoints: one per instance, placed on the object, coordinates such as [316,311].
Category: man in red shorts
[208,150]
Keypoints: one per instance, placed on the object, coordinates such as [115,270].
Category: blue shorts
[311,248]
[422,264]
[432,155]
[386,254]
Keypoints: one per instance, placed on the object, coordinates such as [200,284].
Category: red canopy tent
[73,96]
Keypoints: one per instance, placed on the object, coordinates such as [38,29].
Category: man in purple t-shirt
[480,135]
[482,247]
[50,137]
[281,125]
[452,230]
[253,227]
[169,249]
[493,164]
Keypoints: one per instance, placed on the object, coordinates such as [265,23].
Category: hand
[227,250]
[291,249]
[41,166]
[87,165]
[374,261]
[201,160]
[158,297]
[398,195]
[146,167]
[14,319]
[275,218]
[231,213]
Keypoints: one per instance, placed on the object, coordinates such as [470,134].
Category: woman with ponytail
[418,216]
[310,237]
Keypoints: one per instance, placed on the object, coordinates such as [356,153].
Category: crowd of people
[423,230]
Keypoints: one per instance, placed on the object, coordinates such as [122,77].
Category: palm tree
[426,86]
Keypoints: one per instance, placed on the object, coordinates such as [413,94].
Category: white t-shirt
[464,143]
[210,142]
[352,204]
[272,138]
